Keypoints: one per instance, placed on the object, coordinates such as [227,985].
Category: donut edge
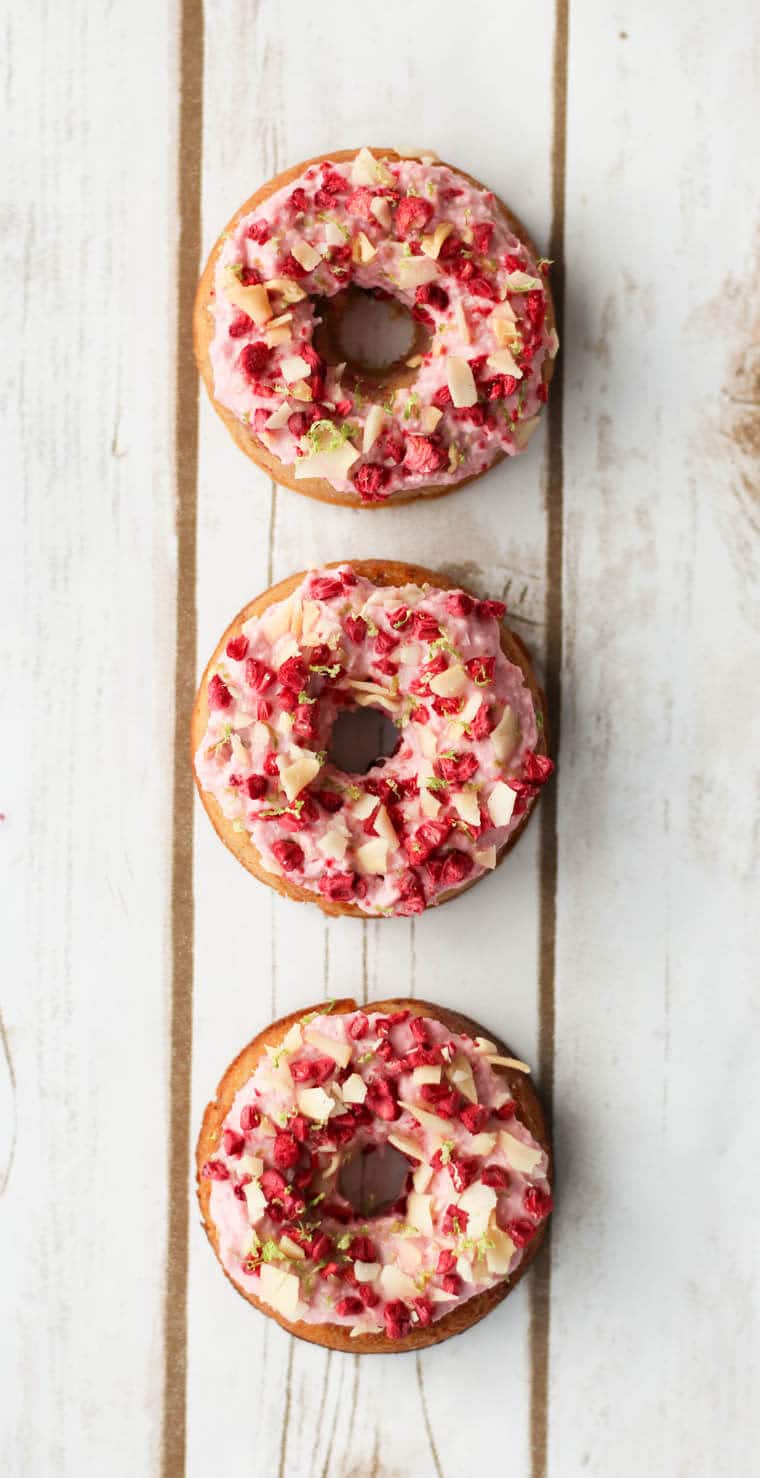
[382,573]
[333,1336]
[203,333]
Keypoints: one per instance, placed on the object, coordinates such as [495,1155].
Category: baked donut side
[204,330]
[386,573]
[528,1111]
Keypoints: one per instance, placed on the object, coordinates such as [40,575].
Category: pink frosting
[427,821]
[475,1194]
[482,276]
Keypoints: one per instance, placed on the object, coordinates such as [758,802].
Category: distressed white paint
[87,655]
[653,1341]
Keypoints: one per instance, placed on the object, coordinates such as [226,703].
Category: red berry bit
[397,1318]
[254,359]
[286,1151]
[424,456]
[495,1176]
[250,1118]
[314,1070]
[233,1143]
[538,1203]
[346,1307]
[219,695]
[215,1170]
[521,1232]
[412,214]
[382,1101]
[237,647]
[288,854]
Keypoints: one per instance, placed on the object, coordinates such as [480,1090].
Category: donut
[276,288]
[420,825]
[401,1094]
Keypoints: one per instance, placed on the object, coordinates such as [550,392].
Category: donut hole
[374,337]
[373,1179]
[360,738]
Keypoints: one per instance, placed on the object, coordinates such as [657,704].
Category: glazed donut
[319,1091]
[418,827]
[269,308]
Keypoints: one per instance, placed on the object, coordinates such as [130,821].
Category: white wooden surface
[634,1345]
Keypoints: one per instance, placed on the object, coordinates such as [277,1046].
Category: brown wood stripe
[540,1304]
[186,458]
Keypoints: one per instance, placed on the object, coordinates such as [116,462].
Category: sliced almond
[384,828]
[428,804]
[315,1104]
[362,250]
[522,282]
[450,683]
[340,1052]
[372,857]
[429,418]
[293,368]
[354,1089]
[292,1248]
[504,737]
[466,804]
[280,1290]
[333,844]
[298,774]
[430,1122]
[301,391]
[478,1201]
[367,170]
[501,804]
[513,1062]
[486,857]
[280,417]
[381,211]
[431,1074]
[332,465]
[415,271]
[463,327]
[431,245]
[372,427]
[305,255]
[503,362]
[499,1255]
[407,1146]
[286,288]
[366,1272]
[524,430]
[521,1156]
[459,378]
[252,300]
[418,1212]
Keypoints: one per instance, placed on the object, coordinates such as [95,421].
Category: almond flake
[305,255]
[431,245]
[372,427]
[381,211]
[501,804]
[450,683]
[503,362]
[372,857]
[298,774]
[520,1156]
[252,300]
[459,378]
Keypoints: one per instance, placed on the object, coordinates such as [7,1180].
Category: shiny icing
[428,820]
[496,313]
[438,1245]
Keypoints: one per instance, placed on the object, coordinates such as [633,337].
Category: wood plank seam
[540,1293]
[182,915]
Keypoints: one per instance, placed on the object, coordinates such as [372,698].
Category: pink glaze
[450,1236]
[483,274]
[425,822]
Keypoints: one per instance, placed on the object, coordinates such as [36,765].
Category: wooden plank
[654,1338]
[87,592]
[282,91]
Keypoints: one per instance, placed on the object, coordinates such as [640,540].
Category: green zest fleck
[446,1149]
[326,671]
[270,1252]
[435,784]
[303,697]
